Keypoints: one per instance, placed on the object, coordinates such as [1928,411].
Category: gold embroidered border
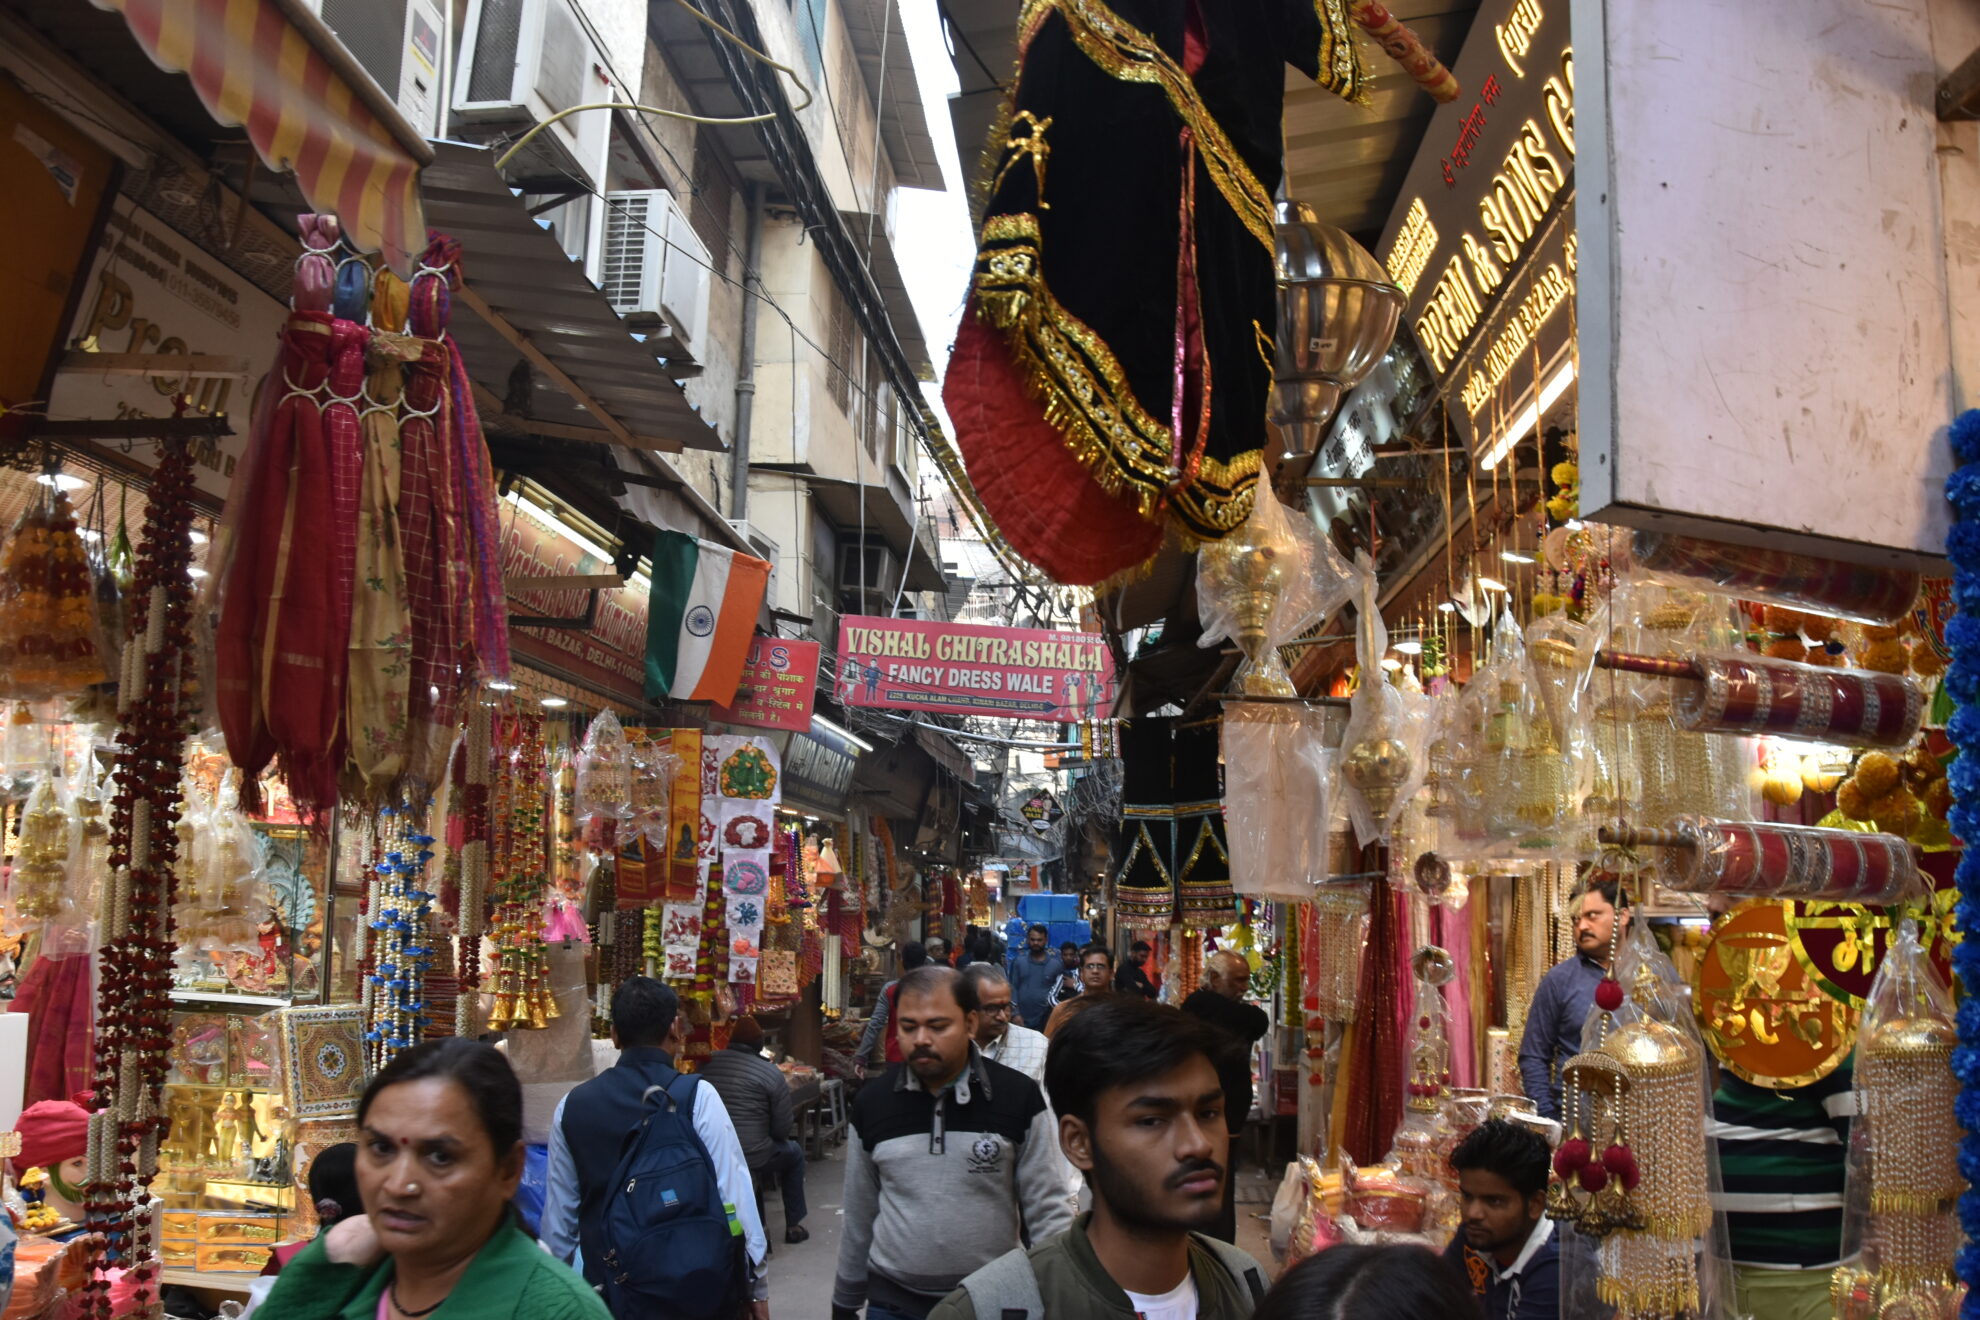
[1068,369]
[1142,839]
[1079,383]
[1128,54]
[1341,69]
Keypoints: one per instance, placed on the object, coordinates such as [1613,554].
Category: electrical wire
[753,53]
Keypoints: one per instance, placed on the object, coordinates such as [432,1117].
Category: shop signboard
[779,682]
[818,770]
[609,657]
[57,177]
[1766,350]
[1482,236]
[969,669]
[150,290]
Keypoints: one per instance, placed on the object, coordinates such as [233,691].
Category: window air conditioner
[397,42]
[656,269]
[882,566]
[523,61]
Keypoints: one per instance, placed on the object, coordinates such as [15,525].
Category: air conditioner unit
[656,269]
[523,61]
[882,567]
[397,42]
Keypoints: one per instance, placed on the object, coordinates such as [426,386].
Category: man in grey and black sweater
[952,1157]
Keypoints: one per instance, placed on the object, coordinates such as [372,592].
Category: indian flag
[700,617]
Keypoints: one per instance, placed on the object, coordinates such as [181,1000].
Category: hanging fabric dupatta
[285,616]
[380,680]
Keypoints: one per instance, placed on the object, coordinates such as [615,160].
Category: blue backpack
[671,1247]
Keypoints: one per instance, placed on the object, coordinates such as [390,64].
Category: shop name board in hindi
[965,669]
[779,681]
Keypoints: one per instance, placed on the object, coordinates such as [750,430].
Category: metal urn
[1248,573]
[1378,766]
[1338,311]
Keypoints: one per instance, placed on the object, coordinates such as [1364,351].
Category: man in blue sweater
[1567,993]
[1506,1244]
[1031,972]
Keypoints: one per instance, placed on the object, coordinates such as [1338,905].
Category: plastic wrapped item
[1901,1226]
[1381,760]
[48,626]
[1752,695]
[1276,804]
[1634,1176]
[1824,586]
[1764,859]
[604,799]
[1331,949]
[1515,772]
[1262,586]
[38,890]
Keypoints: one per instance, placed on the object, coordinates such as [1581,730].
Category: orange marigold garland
[133,1033]
[47,603]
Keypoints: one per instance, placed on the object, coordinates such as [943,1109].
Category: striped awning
[255,68]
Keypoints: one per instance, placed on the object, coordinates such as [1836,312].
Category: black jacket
[1243,1023]
[757,1097]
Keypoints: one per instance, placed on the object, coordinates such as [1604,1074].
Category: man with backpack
[1141,1111]
[951,1157]
[647,1192]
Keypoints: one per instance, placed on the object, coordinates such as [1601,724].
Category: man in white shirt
[996,1035]
[591,1122]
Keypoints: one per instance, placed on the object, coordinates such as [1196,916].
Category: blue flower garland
[1962,683]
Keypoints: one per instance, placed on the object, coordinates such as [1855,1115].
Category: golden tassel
[1906,1090]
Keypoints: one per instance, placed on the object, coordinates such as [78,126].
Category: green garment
[511,1278]
[1072,1282]
[1783,1294]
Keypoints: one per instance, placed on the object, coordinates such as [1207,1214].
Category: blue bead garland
[398,1016]
[1962,681]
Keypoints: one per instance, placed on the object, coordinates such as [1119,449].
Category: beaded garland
[134,1020]
[1962,682]
[472,781]
[522,991]
[402,918]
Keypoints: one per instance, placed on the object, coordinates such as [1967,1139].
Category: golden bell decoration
[1653,1270]
[1378,767]
[1906,1089]
[1246,574]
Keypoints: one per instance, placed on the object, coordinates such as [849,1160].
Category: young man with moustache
[1506,1244]
[952,1156]
[1141,1112]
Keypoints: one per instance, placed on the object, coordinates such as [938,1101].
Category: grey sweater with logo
[940,1185]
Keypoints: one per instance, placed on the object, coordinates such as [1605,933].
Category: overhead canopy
[588,372]
[305,104]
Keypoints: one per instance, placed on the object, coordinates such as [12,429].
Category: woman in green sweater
[439,1155]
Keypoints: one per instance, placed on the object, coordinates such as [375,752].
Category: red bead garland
[157,695]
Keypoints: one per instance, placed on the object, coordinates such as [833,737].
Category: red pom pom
[1621,1161]
[1608,995]
[1593,1177]
[1570,1158]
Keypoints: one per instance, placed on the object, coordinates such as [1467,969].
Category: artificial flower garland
[134,1011]
[1962,682]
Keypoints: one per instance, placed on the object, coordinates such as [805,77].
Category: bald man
[1220,1002]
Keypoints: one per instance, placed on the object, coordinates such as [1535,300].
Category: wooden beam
[567,582]
[192,366]
[524,345]
[489,404]
[135,428]
[1959,91]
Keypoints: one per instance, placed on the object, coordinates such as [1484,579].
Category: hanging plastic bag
[604,797]
[1901,1226]
[1263,585]
[1381,761]
[1276,804]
